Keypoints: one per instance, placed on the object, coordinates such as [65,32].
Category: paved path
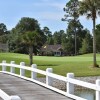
[27,90]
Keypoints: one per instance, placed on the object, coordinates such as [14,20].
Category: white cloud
[45,0]
[51,11]
[58,5]
[55,5]
[50,16]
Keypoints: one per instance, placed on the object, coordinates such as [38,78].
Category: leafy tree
[84,48]
[91,8]
[3,33]
[72,16]
[3,29]
[27,35]
[50,41]
[47,31]
[68,46]
[71,27]
[15,43]
[81,34]
[63,38]
[57,36]
[48,36]
[86,44]
[27,24]
[98,37]
[78,37]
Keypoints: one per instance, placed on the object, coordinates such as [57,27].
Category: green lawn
[80,65]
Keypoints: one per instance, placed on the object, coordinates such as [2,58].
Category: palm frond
[99,13]
[89,15]
[90,8]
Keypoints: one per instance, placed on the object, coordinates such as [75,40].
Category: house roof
[53,48]
[3,46]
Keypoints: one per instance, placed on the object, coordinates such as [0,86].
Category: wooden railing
[5,96]
[69,79]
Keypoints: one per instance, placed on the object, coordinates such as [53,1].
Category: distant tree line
[67,40]
[90,8]
[19,39]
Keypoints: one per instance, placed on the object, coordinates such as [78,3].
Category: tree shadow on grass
[47,65]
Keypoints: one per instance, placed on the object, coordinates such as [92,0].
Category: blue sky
[47,12]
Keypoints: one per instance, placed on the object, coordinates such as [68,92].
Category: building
[3,47]
[52,50]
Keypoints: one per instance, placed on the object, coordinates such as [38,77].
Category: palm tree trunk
[31,54]
[75,43]
[94,45]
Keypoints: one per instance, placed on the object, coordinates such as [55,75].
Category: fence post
[15,97]
[49,79]
[70,87]
[22,71]
[3,66]
[34,74]
[98,92]
[12,69]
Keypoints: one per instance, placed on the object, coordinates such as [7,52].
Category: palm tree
[91,8]
[30,38]
[31,34]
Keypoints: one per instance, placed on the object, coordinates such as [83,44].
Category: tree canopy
[71,16]
[3,33]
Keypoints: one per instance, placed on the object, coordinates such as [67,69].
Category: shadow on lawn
[47,65]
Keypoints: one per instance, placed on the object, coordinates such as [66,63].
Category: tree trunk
[75,43]
[31,54]
[94,45]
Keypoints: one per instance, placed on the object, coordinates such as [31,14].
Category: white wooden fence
[5,96]
[69,79]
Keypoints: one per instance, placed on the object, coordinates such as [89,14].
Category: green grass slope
[80,65]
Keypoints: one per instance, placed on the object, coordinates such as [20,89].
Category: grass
[80,65]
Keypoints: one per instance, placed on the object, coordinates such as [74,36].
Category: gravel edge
[62,85]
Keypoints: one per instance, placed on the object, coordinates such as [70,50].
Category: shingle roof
[51,48]
[3,46]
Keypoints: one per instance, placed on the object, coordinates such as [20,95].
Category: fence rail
[69,79]
[5,96]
